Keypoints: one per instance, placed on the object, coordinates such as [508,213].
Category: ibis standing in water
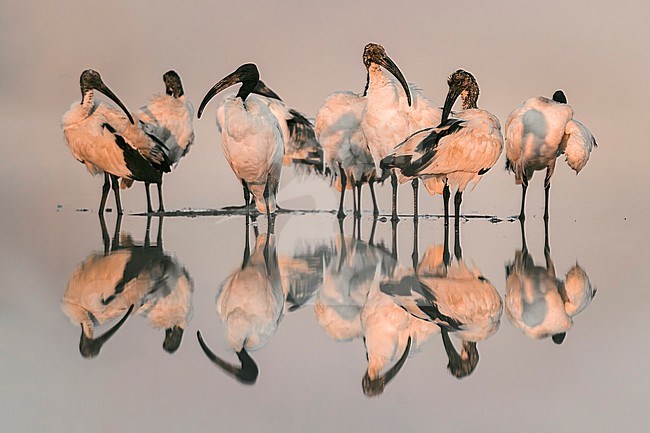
[251,138]
[537,132]
[346,152]
[108,142]
[459,151]
[167,119]
[391,114]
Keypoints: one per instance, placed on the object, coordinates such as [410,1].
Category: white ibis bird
[301,149]
[537,132]
[459,151]
[250,302]
[392,113]
[346,282]
[167,118]
[539,303]
[251,137]
[346,152]
[453,296]
[107,142]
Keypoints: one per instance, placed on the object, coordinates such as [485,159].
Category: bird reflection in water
[452,295]
[127,278]
[250,303]
[350,305]
[539,303]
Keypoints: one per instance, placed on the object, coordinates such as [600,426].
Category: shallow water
[310,373]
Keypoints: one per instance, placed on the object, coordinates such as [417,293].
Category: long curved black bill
[374,387]
[246,374]
[247,74]
[391,67]
[109,93]
[449,103]
[458,366]
[90,347]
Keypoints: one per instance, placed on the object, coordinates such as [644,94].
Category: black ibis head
[91,80]
[247,74]
[559,96]
[460,83]
[376,54]
[173,85]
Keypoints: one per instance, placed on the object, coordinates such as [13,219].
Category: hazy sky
[597,53]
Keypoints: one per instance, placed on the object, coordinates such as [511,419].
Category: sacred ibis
[251,138]
[392,112]
[454,296]
[455,153]
[250,303]
[167,119]
[537,132]
[346,152]
[107,142]
[539,303]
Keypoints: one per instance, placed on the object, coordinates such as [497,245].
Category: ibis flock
[391,130]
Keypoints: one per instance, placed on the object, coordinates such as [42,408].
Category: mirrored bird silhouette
[539,303]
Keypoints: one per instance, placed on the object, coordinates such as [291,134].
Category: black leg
[105,188]
[394,238]
[161,206]
[159,237]
[115,244]
[247,198]
[247,248]
[375,208]
[344,184]
[458,251]
[354,198]
[445,199]
[446,257]
[371,240]
[524,187]
[358,210]
[106,240]
[415,183]
[266,200]
[415,255]
[547,190]
[458,199]
[393,182]
[116,191]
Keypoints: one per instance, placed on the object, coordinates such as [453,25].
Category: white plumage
[391,113]
[539,303]
[457,152]
[251,138]
[345,149]
[108,142]
[537,132]
[455,297]
[301,149]
[250,303]
[167,118]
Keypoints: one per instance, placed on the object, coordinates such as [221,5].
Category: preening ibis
[346,152]
[108,142]
[455,153]
[392,112]
[537,132]
[167,118]
[250,136]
